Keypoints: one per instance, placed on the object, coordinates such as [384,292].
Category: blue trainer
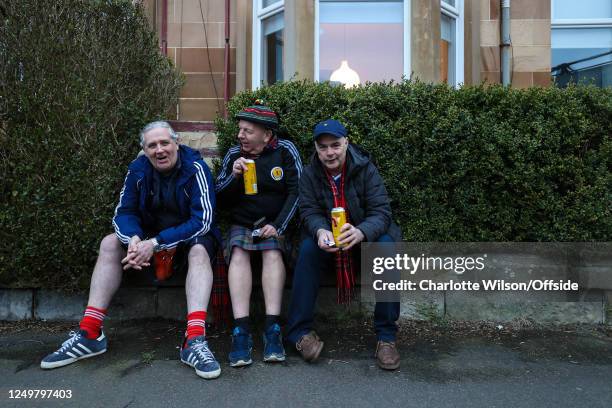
[197,355]
[273,344]
[242,346]
[77,347]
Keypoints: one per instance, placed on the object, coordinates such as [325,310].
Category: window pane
[572,9]
[581,38]
[450,2]
[272,24]
[573,44]
[266,3]
[363,34]
[447,28]
[272,48]
[447,50]
[570,45]
[361,12]
[598,73]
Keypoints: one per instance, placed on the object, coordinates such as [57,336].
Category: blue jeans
[312,262]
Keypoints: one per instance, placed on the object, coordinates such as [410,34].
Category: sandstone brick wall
[530,34]
[187,48]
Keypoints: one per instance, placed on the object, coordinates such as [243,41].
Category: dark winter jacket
[365,193]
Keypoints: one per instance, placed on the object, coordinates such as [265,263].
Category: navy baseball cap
[329,127]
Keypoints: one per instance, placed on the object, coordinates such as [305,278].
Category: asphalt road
[440,368]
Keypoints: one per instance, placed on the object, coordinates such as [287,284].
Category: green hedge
[78,79]
[474,164]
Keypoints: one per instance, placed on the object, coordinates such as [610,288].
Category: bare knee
[198,254]
[272,255]
[240,255]
[110,244]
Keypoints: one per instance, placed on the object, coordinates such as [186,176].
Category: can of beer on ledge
[250,178]
[338,219]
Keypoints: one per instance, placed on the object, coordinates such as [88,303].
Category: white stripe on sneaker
[77,351]
[84,348]
[71,355]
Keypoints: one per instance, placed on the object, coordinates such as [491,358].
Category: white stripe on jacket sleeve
[224,179]
[122,237]
[207,212]
[298,165]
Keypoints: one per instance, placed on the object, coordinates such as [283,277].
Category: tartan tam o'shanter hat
[259,113]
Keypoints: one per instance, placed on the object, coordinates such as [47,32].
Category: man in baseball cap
[340,174]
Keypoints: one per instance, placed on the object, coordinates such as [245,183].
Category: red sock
[196,324]
[92,321]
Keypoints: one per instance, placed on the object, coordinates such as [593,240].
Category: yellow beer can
[250,178]
[338,219]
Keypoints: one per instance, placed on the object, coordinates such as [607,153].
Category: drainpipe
[164,28]
[226,82]
[506,73]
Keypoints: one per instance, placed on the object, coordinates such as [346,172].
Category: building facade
[349,41]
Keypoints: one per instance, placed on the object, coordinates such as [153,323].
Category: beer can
[338,219]
[250,178]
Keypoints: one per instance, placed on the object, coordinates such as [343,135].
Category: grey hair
[155,125]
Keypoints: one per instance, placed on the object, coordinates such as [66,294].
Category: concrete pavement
[442,366]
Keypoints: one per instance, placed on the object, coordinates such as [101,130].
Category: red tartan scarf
[345,275]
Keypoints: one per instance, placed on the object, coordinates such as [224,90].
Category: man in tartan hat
[259,222]
[340,174]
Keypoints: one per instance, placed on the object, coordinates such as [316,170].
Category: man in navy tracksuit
[166,204]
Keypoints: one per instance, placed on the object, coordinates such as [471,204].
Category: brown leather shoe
[387,356]
[309,346]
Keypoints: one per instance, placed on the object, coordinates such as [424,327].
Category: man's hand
[144,252]
[133,243]
[239,167]
[324,236]
[128,261]
[139,254]
[268,231]
[350,236]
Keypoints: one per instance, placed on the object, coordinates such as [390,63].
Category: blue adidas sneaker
[273,344]
[77,347]
[197,354]
[242,347]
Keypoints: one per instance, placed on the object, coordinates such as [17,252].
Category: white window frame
[578,22]
[407,39]
[581,23]
[457,14]
[260,13]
